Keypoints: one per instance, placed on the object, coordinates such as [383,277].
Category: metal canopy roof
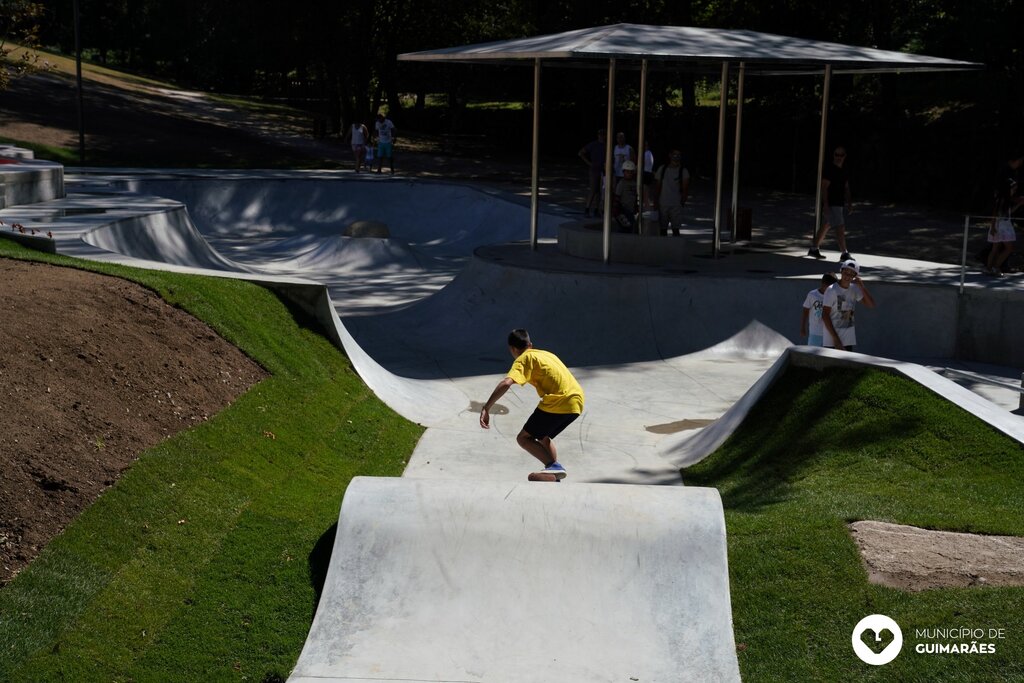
[690,47]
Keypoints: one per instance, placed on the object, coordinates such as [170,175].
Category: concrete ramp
[494,581]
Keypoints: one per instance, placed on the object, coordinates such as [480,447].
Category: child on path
[561,402]
[811,326]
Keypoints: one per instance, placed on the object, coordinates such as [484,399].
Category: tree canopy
[338,61]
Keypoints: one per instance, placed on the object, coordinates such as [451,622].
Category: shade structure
[691,49]
[707,47]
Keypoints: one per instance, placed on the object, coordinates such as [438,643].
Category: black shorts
[544,424]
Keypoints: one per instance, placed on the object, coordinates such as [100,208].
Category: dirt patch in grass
[914,559]
[93,371]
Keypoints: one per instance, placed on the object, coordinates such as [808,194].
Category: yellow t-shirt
[558,390]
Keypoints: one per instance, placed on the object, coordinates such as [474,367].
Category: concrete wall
[990,327]
[30,181]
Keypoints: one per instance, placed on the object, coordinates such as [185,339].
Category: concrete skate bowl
[590,319]
[438,220]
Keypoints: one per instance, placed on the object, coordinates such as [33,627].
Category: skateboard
[544,476]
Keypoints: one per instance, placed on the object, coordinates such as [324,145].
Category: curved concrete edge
[691,449]
[425,402]
[461,580]
[167,236]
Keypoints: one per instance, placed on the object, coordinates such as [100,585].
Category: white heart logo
[877,624]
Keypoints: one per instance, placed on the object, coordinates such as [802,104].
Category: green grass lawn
[48,152]
[823,449]
[203,562]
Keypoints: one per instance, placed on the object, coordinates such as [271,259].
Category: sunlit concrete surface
[465,580]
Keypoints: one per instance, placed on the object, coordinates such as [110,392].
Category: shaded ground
[94,370]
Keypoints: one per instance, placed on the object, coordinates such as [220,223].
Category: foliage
[930,138]
[19,23]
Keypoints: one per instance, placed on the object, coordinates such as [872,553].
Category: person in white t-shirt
[385,142]
[838,305]
[621,153]
[672,189]
[358,136]
[811,327]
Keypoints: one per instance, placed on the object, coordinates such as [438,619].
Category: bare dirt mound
[916,559]
[93,370]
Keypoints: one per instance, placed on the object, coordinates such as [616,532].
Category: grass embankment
[204,561]
[61,155]
[824,449]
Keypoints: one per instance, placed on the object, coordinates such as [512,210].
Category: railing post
[963,256]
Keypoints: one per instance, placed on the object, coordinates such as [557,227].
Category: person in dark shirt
[593,154]
[835,193]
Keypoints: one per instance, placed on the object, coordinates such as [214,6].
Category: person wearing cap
[624,204]
[838,305]
[811,327]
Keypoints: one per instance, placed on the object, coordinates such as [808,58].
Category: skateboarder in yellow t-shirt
[561,401]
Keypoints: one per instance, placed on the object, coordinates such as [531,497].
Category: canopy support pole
[640,152]
[609,175]
[535,170]
[724,99]
[736,153]
[78,83]
[821,150]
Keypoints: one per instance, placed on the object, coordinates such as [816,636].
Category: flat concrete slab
[494,581]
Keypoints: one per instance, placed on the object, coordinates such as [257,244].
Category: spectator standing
[358,136]
[1002,235]
[811,326]
[592,154]
[837,203]
[621,153]
[672,189]
[838,305]
[648,175]
[385,142]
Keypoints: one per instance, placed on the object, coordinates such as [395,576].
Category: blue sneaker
[556,469]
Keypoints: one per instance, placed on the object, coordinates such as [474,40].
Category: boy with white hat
[838,306]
